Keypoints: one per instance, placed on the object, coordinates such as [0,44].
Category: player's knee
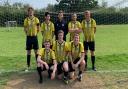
[82,63]
[65,66]
[28,52]
[92,53]
[85,52]
[38,65]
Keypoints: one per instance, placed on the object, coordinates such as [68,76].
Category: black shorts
[32,43]
[70,65]
[44,68]
[60,68]
[89,45]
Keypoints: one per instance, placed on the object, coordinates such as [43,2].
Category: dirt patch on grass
[30,81]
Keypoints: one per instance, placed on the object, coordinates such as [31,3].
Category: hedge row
[101,18]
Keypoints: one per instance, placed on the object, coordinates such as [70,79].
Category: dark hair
[47,13]
[60,11]
[30,8]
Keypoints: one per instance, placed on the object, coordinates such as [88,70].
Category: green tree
[75,5]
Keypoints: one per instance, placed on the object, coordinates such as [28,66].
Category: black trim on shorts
[32,43]
[44,68]
[60,68]
[89,45]
[70,65]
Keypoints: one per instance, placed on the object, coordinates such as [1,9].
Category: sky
[43,3]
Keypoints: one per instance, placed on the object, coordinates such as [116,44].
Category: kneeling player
[76,57]
[61,50]
[46,61]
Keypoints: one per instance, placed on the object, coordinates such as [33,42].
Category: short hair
[48,40]
[60,11]
[73,14]
[87,11]
[76,34]
[30,8]
[47,13]
[60,31]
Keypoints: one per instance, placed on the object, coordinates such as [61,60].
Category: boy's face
[60,16]
[47,17]
[47,45]
[76,39]
[74,17]
[30,12]
[87,15]
[60,36]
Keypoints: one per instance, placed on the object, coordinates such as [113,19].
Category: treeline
[101,18]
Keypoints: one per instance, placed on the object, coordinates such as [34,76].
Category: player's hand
[46,65]
[52,75]
[76,65]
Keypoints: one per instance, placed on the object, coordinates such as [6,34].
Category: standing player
[76,49]
[31,28]
[61,52]
[60,24]
[46,61]
[47,29]
[89,30]
[74,26]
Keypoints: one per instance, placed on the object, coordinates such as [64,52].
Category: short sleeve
[69,25]
[81,48]
[66,47]
[25,22]
[53,55]
[54,46]
[37,21]
[42,27]
[41,52]
[69,46]
[79,25]
[52,27]
[94,23]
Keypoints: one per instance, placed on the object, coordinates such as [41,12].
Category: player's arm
[25,29]
[81,59]
[55,65]
[94,23]
[39,60]
[79,29]
[94,29]
[54,62]
[53,30]
[70,30]
[38,27]
[38,24]
[42,29]
[25,26]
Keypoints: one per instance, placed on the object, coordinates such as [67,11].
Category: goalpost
[10,25]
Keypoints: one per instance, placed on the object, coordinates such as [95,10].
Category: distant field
[111,54]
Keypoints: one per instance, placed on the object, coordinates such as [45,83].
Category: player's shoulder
[78,22]
[92,19]
[41,49]
[80,43]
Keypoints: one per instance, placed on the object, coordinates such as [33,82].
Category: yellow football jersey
[88,30]
[48,30]
[72,26]
[76,50]
[60,50]
[48,57]
[31,25]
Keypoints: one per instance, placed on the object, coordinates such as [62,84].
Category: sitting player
[61,52]
[76,57]
[46,61]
